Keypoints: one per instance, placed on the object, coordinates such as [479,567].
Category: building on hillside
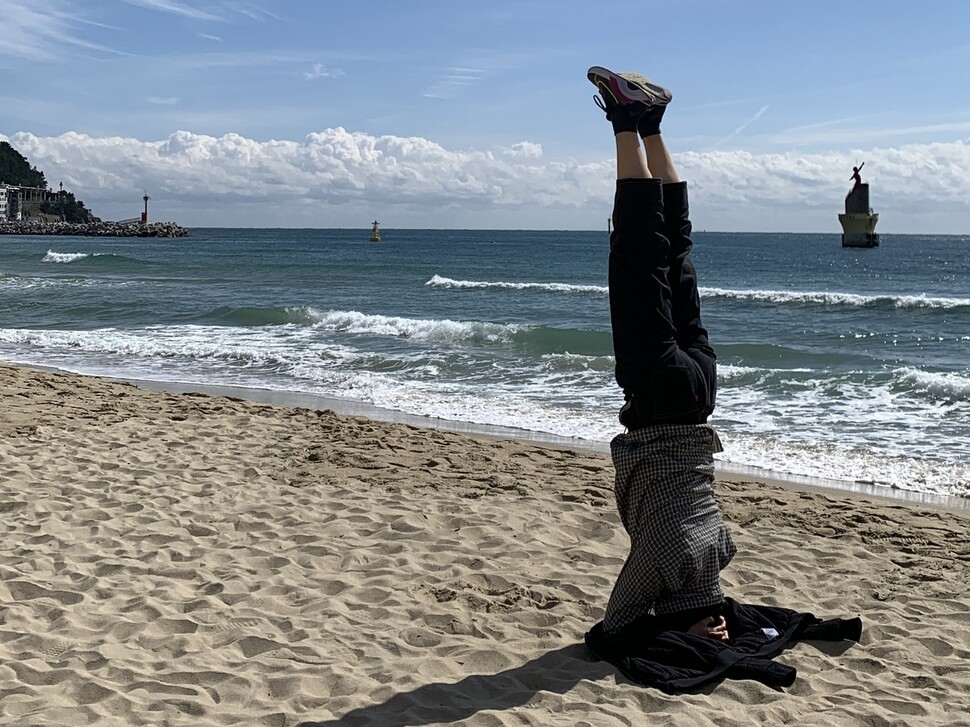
[30,195]
[11,203]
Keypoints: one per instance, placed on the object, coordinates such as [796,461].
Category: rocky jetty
[95,229]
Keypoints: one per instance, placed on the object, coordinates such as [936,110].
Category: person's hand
[712,628]
[717,629]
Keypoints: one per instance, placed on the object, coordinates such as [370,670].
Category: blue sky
[457,114]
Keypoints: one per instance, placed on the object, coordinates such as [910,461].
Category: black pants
[664,362]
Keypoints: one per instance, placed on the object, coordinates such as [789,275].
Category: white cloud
[318,70]
[742,127]
[524,150]
[45,32]
[40,33]
[453,81]
[167,101]
[251,11]
[335,177]
[174,7]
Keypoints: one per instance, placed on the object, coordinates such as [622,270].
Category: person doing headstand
[666,367]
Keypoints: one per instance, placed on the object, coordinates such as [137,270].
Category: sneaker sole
[629,88]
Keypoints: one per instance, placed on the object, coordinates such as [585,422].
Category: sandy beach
[183,559]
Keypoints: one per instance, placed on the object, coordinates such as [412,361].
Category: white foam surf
[826,298]
[64,257]
[438,281]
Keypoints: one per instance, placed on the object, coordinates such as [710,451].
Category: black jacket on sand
[648,653]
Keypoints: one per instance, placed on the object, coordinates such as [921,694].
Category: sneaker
[627,88]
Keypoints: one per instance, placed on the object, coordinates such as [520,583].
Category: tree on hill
[16,170]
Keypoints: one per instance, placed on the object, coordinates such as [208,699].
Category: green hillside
[17,171]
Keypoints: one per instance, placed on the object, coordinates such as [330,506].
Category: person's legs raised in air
[661,382]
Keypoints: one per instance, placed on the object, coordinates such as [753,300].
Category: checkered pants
[678,541]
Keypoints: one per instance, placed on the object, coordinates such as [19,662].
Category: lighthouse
[144,215]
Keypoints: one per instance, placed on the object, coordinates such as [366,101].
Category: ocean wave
[436,331]
[578,358]
[727,372]
[827,298]
[438,281]
[254,317]
[193,342]
[537,340]
[418,329]
[823,298]
[64,257]
[16,282]
[102,259]
[950,387]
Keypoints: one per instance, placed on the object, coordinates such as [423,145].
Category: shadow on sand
[555,671]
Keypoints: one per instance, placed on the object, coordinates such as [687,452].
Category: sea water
[838,363]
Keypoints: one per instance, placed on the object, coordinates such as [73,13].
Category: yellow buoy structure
[859,221]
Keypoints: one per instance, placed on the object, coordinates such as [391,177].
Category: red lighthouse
[144,215]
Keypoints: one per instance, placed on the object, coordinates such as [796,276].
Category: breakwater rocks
[95,229]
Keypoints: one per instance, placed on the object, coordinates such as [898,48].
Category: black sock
[625,117]
[649,123]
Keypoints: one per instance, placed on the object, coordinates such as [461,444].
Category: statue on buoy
[856,177]
[375,233]
[859,221]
